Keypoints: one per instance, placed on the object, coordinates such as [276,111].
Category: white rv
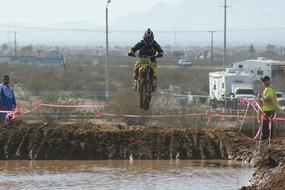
[260,67]
[226,83]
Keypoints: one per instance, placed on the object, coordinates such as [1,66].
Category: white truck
[242,91]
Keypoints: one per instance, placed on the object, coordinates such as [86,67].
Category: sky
[137,15]
[41,12]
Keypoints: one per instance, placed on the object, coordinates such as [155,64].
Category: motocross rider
[150,48]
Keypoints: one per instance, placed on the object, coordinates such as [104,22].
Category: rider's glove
[159,55]
[131,53]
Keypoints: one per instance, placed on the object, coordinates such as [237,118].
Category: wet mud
[19,140]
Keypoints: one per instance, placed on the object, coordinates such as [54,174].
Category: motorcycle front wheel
[144,95]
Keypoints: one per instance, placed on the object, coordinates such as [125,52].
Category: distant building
[261,67]
[40,59]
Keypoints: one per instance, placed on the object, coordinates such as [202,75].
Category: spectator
[7,98]
[269,107]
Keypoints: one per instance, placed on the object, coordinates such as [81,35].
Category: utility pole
[57,52]
[107,90]
[225,33]
[15,44]
[212,46]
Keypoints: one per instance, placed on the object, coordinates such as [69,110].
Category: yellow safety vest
[269,105]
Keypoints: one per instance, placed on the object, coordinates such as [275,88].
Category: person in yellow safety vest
[147,47]
[269,105]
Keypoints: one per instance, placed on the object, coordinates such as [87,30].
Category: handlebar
[144,56]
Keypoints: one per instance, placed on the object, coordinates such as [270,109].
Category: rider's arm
[158,49]
[137,47]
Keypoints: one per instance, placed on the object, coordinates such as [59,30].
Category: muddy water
[124,175]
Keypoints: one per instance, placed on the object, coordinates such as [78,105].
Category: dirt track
[19,140]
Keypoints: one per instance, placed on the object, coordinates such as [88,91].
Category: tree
[252,51]
[27,50]
[270,47]
[270,51]
[178,53]
[206,54]
[4,48]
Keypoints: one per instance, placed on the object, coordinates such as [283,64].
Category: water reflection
[125,175]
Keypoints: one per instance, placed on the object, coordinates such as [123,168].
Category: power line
[140,31]
[256,29]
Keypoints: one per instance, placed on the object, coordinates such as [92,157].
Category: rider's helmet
[148,37]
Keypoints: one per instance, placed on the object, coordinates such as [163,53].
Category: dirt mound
[270,166]
[19,140]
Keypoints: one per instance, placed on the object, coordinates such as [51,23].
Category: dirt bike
[145,81]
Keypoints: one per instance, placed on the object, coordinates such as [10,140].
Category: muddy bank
[270,166]
[19,140]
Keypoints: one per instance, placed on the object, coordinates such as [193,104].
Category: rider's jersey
[148,50]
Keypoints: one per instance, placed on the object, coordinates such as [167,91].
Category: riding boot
[154,83]
[135,86]
[135,76]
